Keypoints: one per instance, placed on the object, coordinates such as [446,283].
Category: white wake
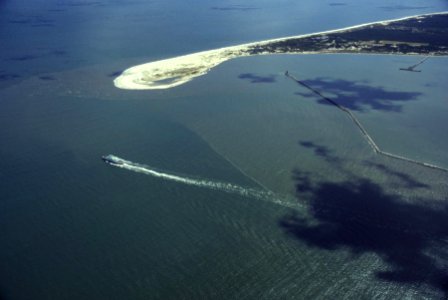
[203,183]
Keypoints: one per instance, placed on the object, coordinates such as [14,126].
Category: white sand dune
[168,73]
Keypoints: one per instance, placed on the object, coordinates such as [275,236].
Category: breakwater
[361,128]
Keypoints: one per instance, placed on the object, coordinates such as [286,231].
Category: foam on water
[204,183]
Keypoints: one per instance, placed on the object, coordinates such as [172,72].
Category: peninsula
[416,35]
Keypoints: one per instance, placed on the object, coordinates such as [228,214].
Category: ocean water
[336,221]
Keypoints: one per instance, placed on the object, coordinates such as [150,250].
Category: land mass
[417,35]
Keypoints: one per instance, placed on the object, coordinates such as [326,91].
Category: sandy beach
[172,72]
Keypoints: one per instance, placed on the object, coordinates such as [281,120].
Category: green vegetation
[426,35]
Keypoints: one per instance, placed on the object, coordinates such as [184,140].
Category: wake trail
[203,183]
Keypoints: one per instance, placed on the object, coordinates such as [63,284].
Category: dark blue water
[73,227]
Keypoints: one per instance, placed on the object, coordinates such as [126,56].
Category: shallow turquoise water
[73,227]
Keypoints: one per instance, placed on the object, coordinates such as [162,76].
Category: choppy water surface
[349,224]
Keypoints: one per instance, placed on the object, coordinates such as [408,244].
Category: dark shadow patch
[47,78]
[306,95]
[360,216]
[357,95]
[431,84]
[115,74]
[8,76]
[403,7]
[24,57]
[319,150]
[27,57]
[82,4]
[19,21]
[337,4]
[58,52]
[303,181]
[257,79]
[43,25]
[406,180]
[234,8]
[33,21]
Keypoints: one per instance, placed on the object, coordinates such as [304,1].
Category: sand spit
[168,73]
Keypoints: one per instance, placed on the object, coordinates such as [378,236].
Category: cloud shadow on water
[359,215]
[253,78]
[24,57]
[404,180]
[358,95]
[82,3]
[319,150]
[58,52]
[34,21]
[47,78]
[234,8]
[337,4]
[115,73]
[403,7]
[4,76]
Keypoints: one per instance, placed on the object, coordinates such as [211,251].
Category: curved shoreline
[172,72]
